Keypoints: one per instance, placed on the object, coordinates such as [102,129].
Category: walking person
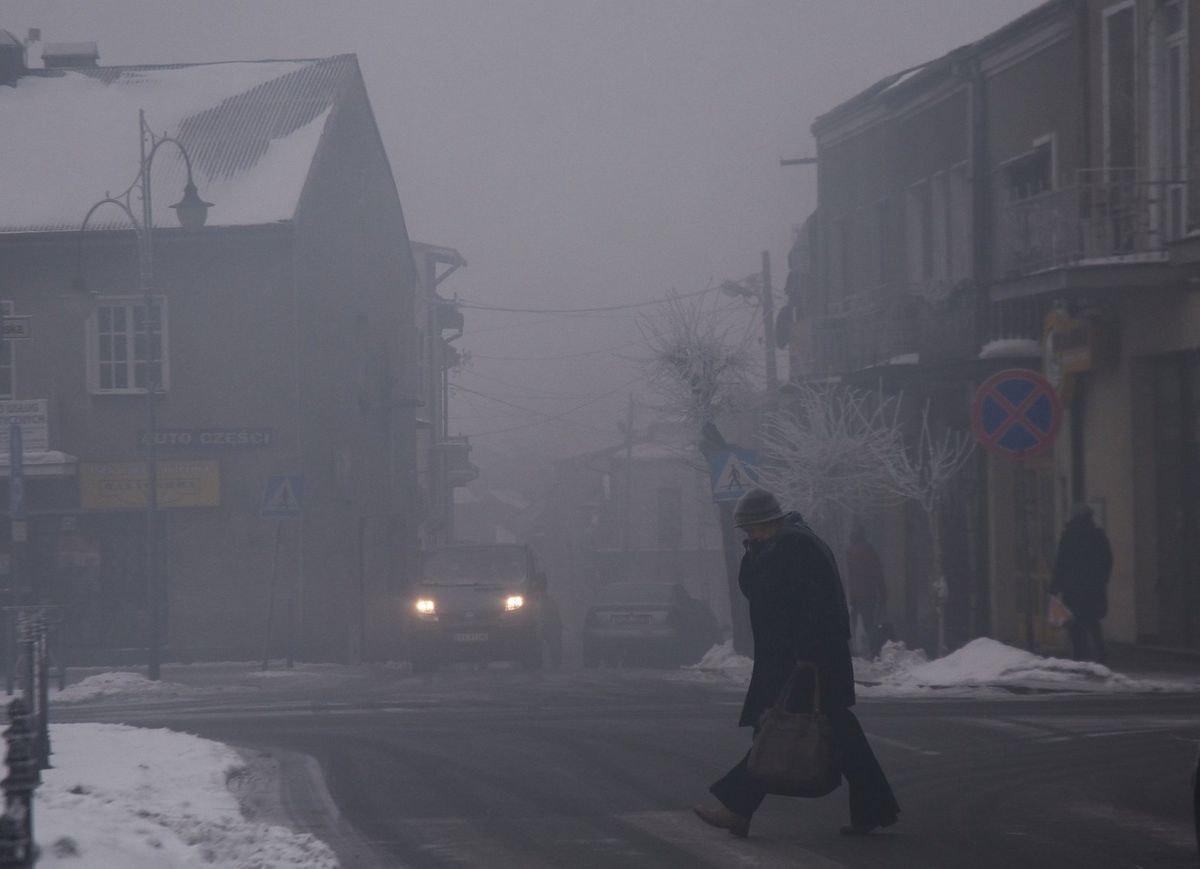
[798,613]
[1081,571]
[865,586]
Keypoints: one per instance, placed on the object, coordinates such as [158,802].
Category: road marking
[896,743]
[684,831]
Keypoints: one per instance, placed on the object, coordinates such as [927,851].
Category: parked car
[647,622]
[482,602]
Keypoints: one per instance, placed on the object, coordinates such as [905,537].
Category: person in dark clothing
[864,583]
[798,612]
[1081,570]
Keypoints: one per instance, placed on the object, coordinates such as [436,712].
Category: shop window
[126,347]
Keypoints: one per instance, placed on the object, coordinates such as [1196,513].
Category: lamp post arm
[108,200]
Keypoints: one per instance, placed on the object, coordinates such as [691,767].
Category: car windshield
[475,566]
[637,593]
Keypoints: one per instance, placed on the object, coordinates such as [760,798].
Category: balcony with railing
[1104,217]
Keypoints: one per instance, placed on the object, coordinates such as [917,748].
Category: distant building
[1027,201]
[282,335]
[642,512]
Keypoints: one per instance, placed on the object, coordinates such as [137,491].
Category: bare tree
[923,474]
[698,364]
[832,452]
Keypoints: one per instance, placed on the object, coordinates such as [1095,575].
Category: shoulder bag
[793,752]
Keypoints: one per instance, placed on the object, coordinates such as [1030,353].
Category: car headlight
[425,606]
[513,602]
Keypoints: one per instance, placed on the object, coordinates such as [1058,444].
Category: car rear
[633,622]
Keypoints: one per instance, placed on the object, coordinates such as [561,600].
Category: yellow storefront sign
[122,485]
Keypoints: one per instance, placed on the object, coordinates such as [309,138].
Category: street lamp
[192,212]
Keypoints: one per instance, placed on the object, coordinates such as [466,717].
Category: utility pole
[628,479]
[768,312]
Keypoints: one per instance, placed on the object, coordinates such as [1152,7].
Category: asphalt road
[502,768]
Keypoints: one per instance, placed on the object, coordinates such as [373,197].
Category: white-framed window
[918,231]
[123,355]
[8,367]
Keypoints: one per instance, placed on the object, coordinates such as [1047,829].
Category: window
[1120,93]
[7,359]
[960,223]
[919,232]
[1030,174]
[120,346]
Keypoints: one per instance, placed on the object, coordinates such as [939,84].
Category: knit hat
[755,507]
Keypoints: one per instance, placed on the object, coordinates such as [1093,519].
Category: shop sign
[32,416]
[122,485]
[1069,344]
[205,438]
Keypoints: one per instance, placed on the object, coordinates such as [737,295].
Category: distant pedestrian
[798,613]
[1081,571]
[865,586]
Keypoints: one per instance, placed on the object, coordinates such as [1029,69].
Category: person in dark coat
[798,612]
[1081,570]
[864,581]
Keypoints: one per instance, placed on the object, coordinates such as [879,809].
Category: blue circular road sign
[1016,413]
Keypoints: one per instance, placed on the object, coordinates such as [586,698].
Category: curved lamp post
[192,212]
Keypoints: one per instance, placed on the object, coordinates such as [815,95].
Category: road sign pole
[271,596]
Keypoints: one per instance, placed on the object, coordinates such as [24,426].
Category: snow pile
[987,664]
[982,666]
[123,797]
[723,658]
[119,683]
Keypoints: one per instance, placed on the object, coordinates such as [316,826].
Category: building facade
[1025,202]
[276,342]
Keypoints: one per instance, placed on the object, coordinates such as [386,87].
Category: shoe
[866,829]
[725,819]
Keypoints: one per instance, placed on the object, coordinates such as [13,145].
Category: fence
[17,847]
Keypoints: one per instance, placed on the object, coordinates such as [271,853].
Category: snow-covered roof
[251,128]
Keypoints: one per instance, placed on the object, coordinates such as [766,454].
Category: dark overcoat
[797,612]
[1081,568]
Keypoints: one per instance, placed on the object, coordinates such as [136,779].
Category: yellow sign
[1069,344]
[122,485]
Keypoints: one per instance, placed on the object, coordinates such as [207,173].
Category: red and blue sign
[1016,413]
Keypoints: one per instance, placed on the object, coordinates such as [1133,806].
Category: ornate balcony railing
[1105,215]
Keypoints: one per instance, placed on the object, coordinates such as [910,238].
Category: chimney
[64,55]
[12,58]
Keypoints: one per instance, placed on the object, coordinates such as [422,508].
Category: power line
[625,307]
[490,358]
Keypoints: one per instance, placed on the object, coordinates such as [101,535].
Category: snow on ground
[982,666]
[172,808]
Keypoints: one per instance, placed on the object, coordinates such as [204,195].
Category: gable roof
[251,129]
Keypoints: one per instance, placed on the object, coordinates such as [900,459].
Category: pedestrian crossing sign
[733,472]
[281,497]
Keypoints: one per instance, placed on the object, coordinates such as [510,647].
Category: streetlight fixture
[192,212]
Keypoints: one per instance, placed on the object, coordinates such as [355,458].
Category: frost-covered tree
[923,474]
[698,364]
[832,452]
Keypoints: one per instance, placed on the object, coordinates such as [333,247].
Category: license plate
[632,619]
[473,637]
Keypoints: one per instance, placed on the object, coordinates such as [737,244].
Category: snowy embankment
[171,808]
[982,666]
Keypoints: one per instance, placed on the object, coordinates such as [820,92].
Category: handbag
[793,752]
[1057,612]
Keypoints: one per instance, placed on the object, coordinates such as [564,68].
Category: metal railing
[17,847]
[1101,215]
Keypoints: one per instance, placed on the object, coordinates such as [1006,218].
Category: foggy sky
[576,152]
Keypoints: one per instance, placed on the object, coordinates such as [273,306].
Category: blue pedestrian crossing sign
[282,497]
[734,472]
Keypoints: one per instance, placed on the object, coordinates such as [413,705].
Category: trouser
[871,797]
[1087,640]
